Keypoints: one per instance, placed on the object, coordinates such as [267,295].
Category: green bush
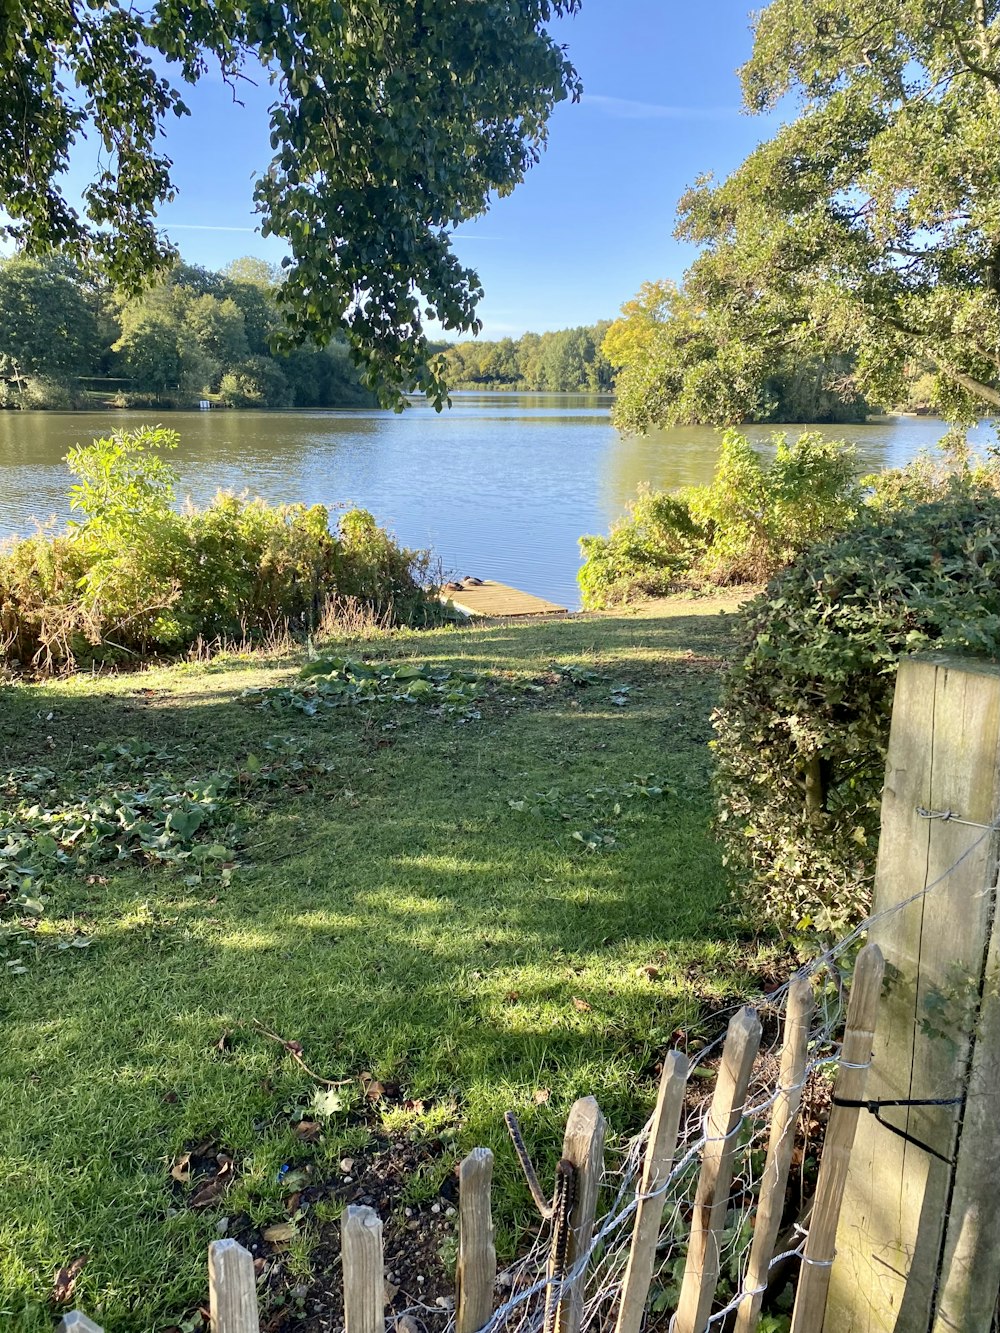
[39,394]
[752,519]
[803,725]
[132,576]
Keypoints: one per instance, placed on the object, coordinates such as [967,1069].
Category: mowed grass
[389,910]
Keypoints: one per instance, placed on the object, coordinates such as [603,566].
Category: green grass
[394,915]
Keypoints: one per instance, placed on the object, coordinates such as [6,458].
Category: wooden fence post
[583,1145]
[364,1270]
[855,1056]
[701,1272]
[75,1322]
[904,1256]
[771,1199]
[477,1256]
[232,1288]
[649,1213]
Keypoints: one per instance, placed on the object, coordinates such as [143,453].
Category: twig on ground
[294,1049]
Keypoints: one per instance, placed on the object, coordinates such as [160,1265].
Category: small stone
[435,1207]
[347,1164]
[407,1212]
[421,1279]
[391,1290]
[222,1226]
[449,1212]
[445,1302]
[348,1179]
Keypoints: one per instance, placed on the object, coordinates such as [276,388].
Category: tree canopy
[191,333]
[867,227]
[390,124]
[560,361]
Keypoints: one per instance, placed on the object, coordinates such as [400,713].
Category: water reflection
[502,485]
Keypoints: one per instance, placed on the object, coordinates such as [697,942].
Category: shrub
[803,725]
[645,555]
[748,523]
[132,576]
[36,394]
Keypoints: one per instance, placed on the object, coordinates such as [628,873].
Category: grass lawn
[381,902]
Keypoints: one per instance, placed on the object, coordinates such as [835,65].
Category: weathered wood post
[364,1270]
[477,1256]
[917,1247]
[794,1052]
[75,1322]
[711,1201]
[655,1172]
[232,1288]
[583,1145]
[848,1090]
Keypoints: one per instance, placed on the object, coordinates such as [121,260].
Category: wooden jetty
[488,599]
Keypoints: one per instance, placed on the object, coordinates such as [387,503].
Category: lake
[501,486]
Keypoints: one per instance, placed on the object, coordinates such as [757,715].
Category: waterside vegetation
[133,577]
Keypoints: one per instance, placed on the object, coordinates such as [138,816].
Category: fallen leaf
[292,1202]
[280,1234]
[581,1005]
[218,1185]
[512,997]
[374,1091]
[224,1043]
[651,971]
[65,1280]
[309,1131]
[540,1096]
[181,1169]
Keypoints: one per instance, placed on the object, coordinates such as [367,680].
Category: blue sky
[593,220]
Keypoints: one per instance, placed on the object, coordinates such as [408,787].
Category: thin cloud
[626,109]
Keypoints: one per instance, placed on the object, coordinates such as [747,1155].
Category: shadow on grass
[389,910]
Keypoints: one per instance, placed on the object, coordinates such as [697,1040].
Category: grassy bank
[382,884]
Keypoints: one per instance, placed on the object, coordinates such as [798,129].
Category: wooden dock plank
[498,601]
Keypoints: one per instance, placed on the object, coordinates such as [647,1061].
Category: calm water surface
[500,486]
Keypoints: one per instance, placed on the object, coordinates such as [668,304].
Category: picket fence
[576,1235]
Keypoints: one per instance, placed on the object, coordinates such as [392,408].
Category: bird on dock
[470,581]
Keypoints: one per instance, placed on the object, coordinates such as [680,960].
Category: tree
[869,226]
[391,124]
[47,327]
[219,329]
[677,365]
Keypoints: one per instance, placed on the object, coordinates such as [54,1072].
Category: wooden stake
[908,1232]
[701,1273]
[771,1201]
[477,1256]
[364,1270]
[75,1322]
[649,1214]
[232,1288]
[855,1056]
[583,1145]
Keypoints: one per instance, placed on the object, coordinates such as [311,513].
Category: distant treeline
[567,361]
[66,340]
